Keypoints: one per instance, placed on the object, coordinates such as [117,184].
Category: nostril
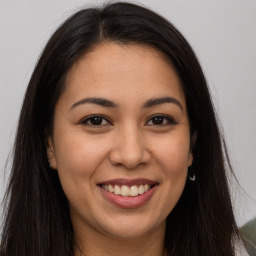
[129,159]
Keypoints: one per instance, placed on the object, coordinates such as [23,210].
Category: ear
[192,145]
[51,153]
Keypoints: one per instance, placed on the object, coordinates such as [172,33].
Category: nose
[129,149]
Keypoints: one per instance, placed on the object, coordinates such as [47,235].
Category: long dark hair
[37,220]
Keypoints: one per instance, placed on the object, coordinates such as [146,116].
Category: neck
[94,243]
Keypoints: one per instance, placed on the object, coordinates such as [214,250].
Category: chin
[131,228]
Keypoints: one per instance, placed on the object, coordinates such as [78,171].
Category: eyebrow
[158,101]
[110,104]
[98,101]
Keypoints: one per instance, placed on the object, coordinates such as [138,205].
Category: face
[121,140]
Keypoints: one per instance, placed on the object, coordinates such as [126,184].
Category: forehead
[112,69]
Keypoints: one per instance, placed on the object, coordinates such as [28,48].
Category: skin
[128,144]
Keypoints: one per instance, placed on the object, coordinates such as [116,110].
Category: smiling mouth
[127,191]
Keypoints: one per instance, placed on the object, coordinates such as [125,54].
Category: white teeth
[146,187]
[134,191]
[141,189]
[117,190]
[124,190]
[110,189]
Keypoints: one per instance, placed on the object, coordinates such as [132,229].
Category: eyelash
[167,120]
[95,117]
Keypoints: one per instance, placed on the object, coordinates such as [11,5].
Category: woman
[118,148]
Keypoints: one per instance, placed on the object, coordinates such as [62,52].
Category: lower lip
[129,201]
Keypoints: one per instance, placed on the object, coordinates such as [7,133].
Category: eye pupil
[157,120]
[96,120]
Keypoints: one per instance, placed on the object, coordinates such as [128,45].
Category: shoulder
[249,234]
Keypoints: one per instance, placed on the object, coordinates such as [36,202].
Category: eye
[160,120]
[95,120]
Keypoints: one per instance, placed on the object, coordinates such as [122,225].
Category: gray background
[222,33]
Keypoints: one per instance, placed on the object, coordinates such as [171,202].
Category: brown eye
[95,120]
[158,120]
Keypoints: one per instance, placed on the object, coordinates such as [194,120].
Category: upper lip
[128,182]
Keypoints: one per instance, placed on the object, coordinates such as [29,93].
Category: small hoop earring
[50,165]
[192,178]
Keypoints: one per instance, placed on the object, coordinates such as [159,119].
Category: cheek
[79,154]
[77,159]
[174,158]
[174,155]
